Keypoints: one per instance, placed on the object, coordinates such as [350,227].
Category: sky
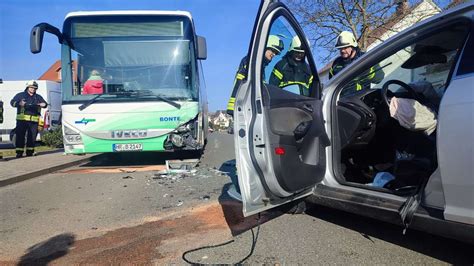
[226,25]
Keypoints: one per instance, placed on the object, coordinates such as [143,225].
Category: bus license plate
[128,147]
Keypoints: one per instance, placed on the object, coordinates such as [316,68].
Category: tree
[323,20]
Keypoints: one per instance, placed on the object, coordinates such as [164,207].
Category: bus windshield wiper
[91,101]
[95,98]
[146,93]
[129,93]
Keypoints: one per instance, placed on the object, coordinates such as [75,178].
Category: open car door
[280,136]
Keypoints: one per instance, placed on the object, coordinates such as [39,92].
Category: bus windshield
[152,57]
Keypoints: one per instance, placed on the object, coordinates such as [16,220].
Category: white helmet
[275,44]
[346,39]
[296,45]
[31,83]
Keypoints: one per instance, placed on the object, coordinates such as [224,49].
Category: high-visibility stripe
[277,73]
[358,87]
[230,104]
[372,73]
[30,149]
[283,84]
[331,71]
[240,76]
[19,149]
[32,118]
[310,79]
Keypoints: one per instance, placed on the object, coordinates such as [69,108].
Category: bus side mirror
[37,33]
[202,48]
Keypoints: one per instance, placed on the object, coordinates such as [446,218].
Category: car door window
[286,60]
[428,59]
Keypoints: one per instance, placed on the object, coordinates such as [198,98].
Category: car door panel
[281,136]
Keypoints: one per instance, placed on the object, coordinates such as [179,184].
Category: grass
[38,149]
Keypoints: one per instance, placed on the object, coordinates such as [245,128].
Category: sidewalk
[14,170]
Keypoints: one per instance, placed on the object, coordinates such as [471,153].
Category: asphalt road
[121,209]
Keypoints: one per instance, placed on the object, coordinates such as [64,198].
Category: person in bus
[94,85]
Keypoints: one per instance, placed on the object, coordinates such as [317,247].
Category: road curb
[23,177]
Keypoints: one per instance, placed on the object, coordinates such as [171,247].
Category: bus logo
[169,118]
[85,121]
[129,134]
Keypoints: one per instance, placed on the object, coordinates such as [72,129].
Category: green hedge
[53,138]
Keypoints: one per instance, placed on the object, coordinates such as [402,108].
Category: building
[54,72]
[220,120]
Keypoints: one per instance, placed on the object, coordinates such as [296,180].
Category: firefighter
[349,52]
[274,47]
[292,69]
[28,105]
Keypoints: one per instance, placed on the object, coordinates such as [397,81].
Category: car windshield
[129,54]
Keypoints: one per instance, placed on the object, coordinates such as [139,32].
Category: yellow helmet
[346,39]
[32,83]
[275,44]
[296,45]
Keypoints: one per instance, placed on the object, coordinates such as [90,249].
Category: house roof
[53,72]
[396,17]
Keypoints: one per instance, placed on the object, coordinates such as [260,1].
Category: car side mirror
[202,48]
[37,33]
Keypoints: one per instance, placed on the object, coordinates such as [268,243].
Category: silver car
[400,150]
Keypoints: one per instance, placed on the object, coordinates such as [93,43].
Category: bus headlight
[71,136]
[177,140]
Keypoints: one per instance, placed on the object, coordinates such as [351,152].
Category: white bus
[131,81]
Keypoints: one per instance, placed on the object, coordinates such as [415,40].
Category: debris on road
[180,202]
[186,164]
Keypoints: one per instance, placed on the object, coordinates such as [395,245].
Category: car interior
[386,131]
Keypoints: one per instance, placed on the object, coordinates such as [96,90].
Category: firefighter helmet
[296,45]
[275,44]
[346,39]
[31,83]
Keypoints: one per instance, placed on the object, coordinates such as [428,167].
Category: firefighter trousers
[29,130]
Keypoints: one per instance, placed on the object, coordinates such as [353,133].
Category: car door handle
[308,108]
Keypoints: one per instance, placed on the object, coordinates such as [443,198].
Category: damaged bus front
[131,81]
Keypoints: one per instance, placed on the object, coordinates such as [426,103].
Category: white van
[51,116]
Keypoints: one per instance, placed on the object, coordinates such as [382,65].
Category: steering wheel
[398,82]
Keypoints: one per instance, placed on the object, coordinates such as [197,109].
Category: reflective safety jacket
[289,72]
[31,111]
[240,76]
[373,75]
